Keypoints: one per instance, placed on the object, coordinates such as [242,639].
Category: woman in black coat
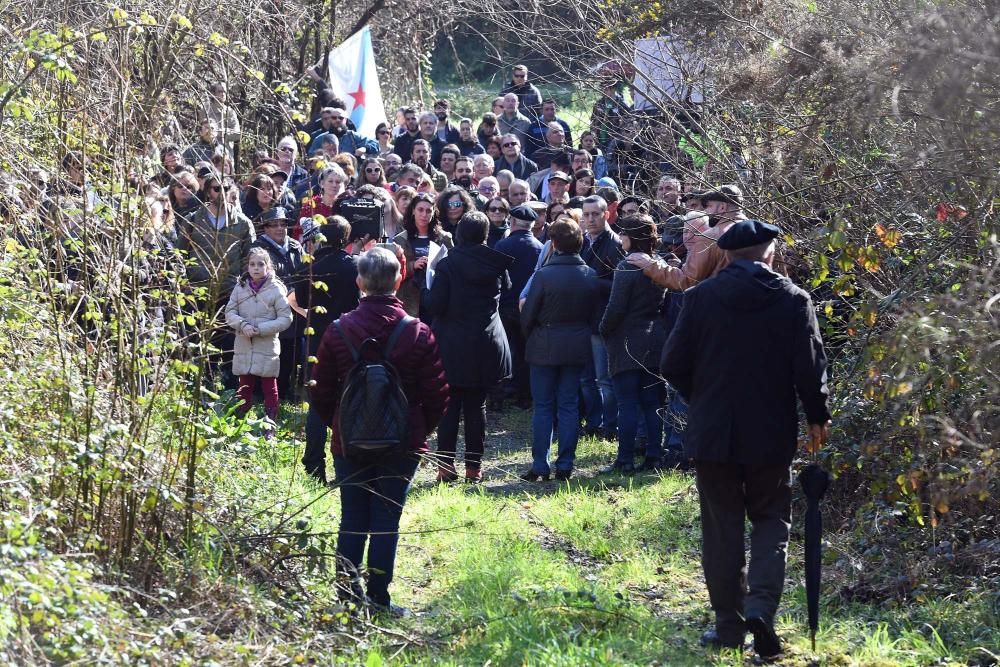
[463,301]
[634,332]
[558,312]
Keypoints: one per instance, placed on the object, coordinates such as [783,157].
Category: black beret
[523,212]
[747,233]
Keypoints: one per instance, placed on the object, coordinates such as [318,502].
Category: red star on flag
[359,96]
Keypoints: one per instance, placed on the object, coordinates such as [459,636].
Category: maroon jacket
[415,357]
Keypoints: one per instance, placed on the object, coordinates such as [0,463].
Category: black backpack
[374,410]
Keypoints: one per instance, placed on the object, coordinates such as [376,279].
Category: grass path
[600,570]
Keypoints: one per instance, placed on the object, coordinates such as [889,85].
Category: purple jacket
[416,358]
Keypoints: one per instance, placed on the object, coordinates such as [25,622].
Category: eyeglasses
[509,144]
[336,118]
[455,203]
[496,209]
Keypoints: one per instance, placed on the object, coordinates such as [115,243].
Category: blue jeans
[603,374]
[639,391]
[676,419]
[371,503]
[554,388]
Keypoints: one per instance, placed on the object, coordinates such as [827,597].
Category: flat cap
[559,176]
[747,233]
[523,212]
[726,193]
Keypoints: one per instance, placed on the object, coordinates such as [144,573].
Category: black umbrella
[814,481]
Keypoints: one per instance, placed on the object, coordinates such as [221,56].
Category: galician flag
[354,79]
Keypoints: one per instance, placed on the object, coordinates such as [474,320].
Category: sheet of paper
[435,254]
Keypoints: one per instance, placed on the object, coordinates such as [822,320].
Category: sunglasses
[455,203]
[509,144]
[372,170]
[336,118]
[519,76]
[497,209]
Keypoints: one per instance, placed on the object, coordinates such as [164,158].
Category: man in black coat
[524,248]
[336,270]
[745,345]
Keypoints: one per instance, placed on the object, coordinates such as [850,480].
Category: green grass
[596,571]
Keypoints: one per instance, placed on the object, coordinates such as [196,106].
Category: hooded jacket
[745,345]
[464,301]
[268,310]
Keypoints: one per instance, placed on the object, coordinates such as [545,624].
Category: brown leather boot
[473,474]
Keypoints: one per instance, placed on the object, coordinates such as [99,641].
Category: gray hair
[517,182]
[378,269]
[428,115]
[335,169]
[483,158]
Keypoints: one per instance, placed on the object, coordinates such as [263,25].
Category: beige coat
[268,310]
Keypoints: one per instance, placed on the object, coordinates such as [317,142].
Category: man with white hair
[482,167]
[288,150]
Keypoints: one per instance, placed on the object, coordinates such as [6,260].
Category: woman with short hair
[556,319]
[373,491]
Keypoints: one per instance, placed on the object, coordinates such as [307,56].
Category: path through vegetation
[600,570]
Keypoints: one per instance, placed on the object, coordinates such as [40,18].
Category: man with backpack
[380,385]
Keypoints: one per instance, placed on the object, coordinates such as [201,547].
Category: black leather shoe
[618,468]
[563,475]
[388,611]
[532,476]
[651,464]
[765,639]
[711,639]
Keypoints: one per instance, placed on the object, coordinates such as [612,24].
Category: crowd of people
[499,267]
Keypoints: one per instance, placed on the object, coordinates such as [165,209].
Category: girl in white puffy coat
[258,310]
